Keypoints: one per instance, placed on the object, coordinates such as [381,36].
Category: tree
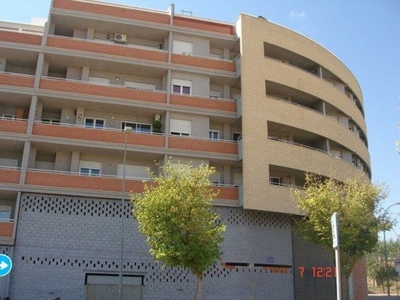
[360,218]
[175,213]
[376,265]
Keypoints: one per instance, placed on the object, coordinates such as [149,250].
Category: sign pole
[335,244]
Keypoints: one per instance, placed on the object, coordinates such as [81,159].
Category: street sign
[5,265]
[335,232]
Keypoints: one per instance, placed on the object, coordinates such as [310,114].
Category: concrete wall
[61,239]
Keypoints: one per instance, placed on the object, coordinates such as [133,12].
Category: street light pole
[127,130]
[386,256]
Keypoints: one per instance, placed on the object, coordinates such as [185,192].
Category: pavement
[383,297]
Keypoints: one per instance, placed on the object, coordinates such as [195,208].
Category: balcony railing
[51,179]
[9,175]
[109,135]
[318,150]
[221,104]
[120,50]
[354,101]
[228,147]
[318,112]
[101,91]
[13,125]
[17,79]
[6,228]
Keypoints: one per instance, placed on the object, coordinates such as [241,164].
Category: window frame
[94,123]
[211,133]
[135,127]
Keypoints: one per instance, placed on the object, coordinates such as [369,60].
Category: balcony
[104,186]
[9,176]
[103,91]
[219,147]
[227,195]
[302,80]
[287,154]
[53,180]
[20,38]
[126,51]
[112,10]
[13,125]
[78,132]
[204,62]
[16,80]
[226,105]
[6,232]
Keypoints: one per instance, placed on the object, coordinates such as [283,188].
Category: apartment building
[259,102]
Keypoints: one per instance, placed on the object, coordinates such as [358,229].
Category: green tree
[357,203]
[175,213]
[376,265]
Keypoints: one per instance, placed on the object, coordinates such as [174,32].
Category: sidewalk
[383,297]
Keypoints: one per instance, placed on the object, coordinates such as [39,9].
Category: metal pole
[386,262]
[127,130]
[338,274]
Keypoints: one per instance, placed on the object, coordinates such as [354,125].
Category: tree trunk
[199,285]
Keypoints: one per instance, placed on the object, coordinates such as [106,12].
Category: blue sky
[363,34]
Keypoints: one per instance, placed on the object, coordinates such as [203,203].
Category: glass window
[213,134]
[94,123]
[138,127]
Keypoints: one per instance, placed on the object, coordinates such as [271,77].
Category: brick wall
[20,38]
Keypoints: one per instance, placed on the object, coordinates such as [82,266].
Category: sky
[363,34]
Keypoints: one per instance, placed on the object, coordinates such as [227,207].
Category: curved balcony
[17,80]
[204,102]
[107,91]
[309,160]
[13,126]
[20,38]
[315,122]
[304,81]
[90,46]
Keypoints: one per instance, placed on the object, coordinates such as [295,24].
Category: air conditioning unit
[120,38]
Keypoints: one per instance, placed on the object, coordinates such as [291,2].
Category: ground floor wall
[66,244]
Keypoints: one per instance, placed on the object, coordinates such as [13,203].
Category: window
[51,121]
[237,136]
[140,86]
[181,86]
[5,213]
[180,127]
[138,127]
[9,116]
[215,94]
[215,178]
[133,171]
[94,123]
[213,134]
[181,47]
[99,80]
[89,168]
[275,180]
